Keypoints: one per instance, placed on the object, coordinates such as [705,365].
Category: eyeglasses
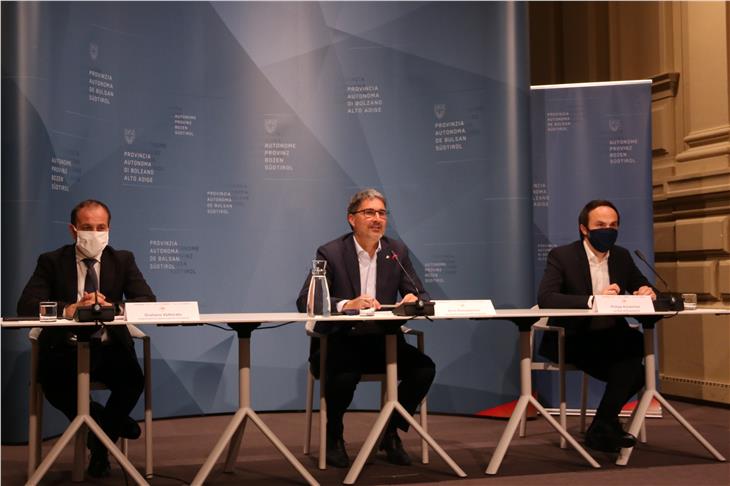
[370,213]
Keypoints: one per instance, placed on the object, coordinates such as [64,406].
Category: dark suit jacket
[566,284]
[343,276]
[55,279]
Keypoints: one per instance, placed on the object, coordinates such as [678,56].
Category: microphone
[96,307]
[95,312]
[418,308]
[665,301]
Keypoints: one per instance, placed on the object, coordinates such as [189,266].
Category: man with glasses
[83,274]
[363,273]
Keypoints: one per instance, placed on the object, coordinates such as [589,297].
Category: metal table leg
[392,406]
[78,426]
[650,392]
[525,399]
[233,433]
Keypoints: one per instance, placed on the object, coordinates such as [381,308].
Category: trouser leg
[416,372]
[117,367]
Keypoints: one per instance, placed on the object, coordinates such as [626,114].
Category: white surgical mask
[92,243]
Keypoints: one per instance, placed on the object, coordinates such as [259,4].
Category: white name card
[622,304]
[161,311]
[455,308]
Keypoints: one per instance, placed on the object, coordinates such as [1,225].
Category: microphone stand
[418,308]
[665,301]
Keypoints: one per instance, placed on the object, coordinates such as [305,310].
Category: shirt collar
[361,251]
[592,258]
[81,257]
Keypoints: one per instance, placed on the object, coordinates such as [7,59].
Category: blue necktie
[91,283]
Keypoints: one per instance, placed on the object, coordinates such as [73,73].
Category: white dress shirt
[599,271]
[368,272]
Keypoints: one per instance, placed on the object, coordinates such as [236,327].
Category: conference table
[245,323]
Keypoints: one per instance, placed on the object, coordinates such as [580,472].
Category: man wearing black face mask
[604,347]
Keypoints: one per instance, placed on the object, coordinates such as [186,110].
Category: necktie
[91,283]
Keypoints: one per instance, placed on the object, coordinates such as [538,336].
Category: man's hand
[86,300]
[612,289]
[646,290]
[363,302]
[408,298]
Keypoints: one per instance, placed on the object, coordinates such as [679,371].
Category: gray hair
[360,196]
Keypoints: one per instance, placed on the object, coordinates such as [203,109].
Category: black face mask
[602,239]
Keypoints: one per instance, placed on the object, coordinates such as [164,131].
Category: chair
[323,403]
[35,419]
[561,367]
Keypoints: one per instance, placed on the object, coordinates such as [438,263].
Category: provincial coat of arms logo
[270,125]
[129,135]
[439,110]
[93,51]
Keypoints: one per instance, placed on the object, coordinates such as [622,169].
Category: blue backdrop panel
[590,141]
[227,139]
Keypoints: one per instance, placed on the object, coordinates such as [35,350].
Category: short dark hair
[360,196]
[596,203]
[87,203]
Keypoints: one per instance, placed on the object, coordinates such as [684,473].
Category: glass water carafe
[318,298]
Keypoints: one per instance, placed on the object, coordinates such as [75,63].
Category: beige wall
[685,48]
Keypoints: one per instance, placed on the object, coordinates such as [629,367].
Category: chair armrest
[542,325]
[411,332]
[136,332]
[309,327]
[34,333]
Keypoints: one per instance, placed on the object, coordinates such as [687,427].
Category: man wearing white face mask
[88,272]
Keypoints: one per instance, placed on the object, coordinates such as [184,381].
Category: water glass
[690,301]
[48,311]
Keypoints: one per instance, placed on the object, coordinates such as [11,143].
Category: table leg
[525,399]
[233,433]
[322,460]
[650,392]
[78,426]
[392,405]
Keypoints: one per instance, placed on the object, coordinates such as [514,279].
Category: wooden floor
[671,457]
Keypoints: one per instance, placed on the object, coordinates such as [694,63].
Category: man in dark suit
[77,275]
[604,347]
[363,273]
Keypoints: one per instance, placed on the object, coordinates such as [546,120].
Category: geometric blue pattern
[227,138]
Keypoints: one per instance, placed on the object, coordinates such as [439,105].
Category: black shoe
[130,429]
[624,438]
[336,453]
[393,448]
[99,464]
[608,436]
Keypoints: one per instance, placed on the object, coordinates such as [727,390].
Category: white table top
[277,317]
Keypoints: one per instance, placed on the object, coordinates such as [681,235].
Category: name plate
[455,308]
[161,311]
[622,304]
